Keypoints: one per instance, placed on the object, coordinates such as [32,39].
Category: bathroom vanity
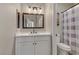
[33,44]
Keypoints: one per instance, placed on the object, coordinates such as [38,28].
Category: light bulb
[34,10]
[29,9]
[39,10]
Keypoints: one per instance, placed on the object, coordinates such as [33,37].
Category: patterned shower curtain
[70,28]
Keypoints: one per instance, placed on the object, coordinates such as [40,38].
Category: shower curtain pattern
[70,28]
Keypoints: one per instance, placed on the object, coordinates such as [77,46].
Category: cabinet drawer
[42,38]
[24,39]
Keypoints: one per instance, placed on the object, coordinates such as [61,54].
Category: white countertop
[32,34]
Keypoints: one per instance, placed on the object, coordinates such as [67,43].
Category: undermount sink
[32,34]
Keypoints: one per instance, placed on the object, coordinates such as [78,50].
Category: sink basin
[32,34]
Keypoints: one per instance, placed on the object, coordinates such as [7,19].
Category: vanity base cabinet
[24,46]
[38,45]
[42,48]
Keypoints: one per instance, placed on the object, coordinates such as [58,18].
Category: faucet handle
[35,32]
[30,32]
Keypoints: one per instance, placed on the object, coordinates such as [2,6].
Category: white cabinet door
[38,45]
[24,47]
[43,47]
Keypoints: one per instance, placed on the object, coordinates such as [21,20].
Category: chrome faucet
[33,31]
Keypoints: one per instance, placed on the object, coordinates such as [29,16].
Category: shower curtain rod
[70,7]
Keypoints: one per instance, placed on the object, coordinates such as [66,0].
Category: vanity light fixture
[35,10]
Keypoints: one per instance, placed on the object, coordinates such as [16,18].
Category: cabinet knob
[33,43]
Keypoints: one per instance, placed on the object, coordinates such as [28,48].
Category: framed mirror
[33,20]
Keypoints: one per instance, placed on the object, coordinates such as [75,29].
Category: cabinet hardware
[33,43]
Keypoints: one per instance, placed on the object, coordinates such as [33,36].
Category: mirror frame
[32,27]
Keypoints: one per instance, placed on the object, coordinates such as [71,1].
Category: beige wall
[48,17]
[7,27]
[60,7]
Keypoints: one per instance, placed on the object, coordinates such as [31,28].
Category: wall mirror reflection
[33,20]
